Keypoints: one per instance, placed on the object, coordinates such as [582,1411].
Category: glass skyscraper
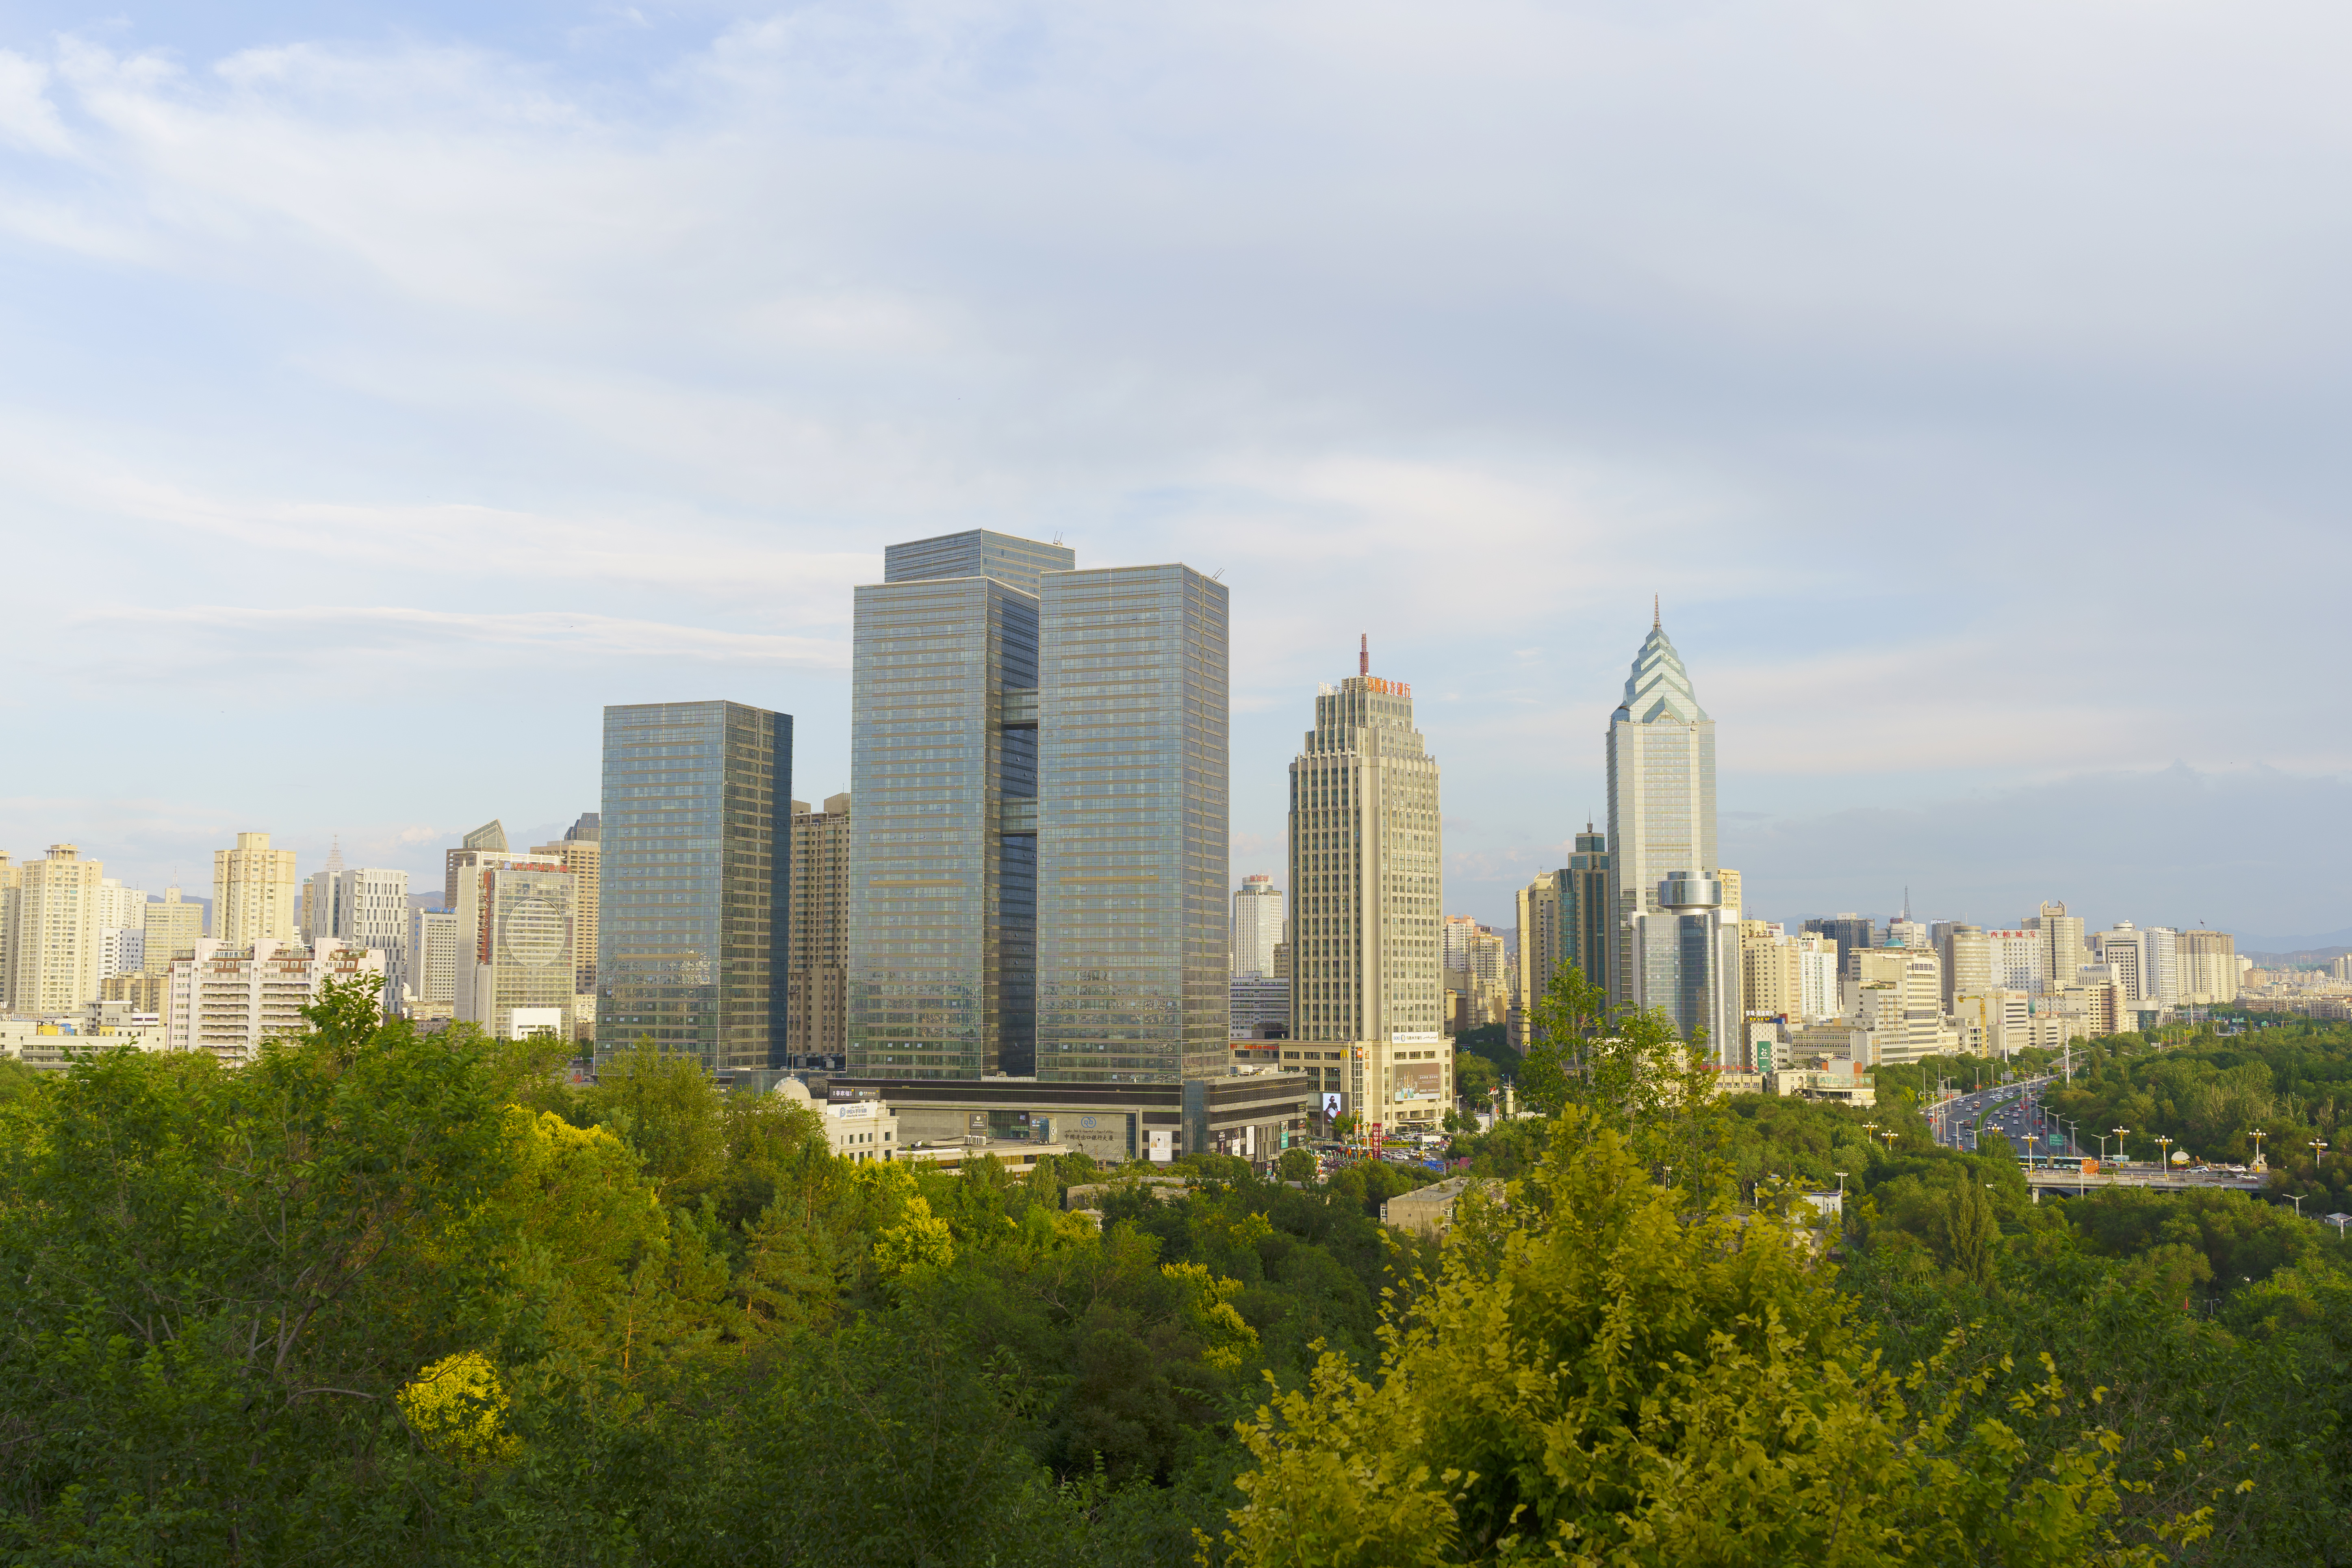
[942,844]
[1660,798]
[692,940]
[1038,855]
[1133,827]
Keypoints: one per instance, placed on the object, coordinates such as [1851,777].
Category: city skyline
[1973,551]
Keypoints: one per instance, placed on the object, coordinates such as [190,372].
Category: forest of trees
[384,1296]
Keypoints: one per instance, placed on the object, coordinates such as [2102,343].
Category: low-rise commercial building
[1253,1115]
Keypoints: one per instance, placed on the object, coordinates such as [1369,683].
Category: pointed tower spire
[335,855]
[1656,624]
[1364,656]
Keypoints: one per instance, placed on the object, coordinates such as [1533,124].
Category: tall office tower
[1770,984]
[1134,826]
[485,846]
[53,947]
[2162,945]
[1586,916]
[1257,925]
[2208,967]
[320,915]
[1367,874]
[817,995]
[1543,950]
[2016,957]
[364,908]
[694,944]
[173,927]
[1660,796]
[1686,963]
[1820,993]
[253,892]
[1899,998]
[1730,880]
[943,849]
[2064,950]
[2124,950]
[11,880]
[1966,954]
[1853,933]
[432,985]
[1902,931]
[580,852]
[515,973]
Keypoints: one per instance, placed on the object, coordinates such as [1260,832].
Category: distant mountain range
[2271,951]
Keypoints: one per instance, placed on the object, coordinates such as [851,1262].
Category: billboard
[1420,1080]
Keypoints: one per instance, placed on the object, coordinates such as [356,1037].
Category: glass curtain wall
[1133,827]
[692,940]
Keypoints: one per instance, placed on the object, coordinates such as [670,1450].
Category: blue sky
[382,390]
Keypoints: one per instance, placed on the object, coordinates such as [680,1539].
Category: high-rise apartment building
[1257,924]
[693,945]
[2208,967]
[1899,999]
[54,952]
[173,927]
[2160,946]
[515,973]
[580,852]
[1366,879]
[1542,951]
[1771,985]
[11,880]
[254,892]
[1661,799]
[2064,950]
[943,849]
[228,1001]
[1134,826]
[816,1002]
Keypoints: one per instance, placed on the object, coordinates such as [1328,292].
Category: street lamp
[2339,1221]
[2318,1154]
[2123,1155]
[2162,1162]
[1841,1176]
[2028,1150]
[2259,1136]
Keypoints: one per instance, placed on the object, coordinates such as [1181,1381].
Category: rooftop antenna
[1057,536]
[1364,656]
[1218,575]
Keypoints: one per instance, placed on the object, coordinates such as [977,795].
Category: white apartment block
[228,1001]
[2014,960]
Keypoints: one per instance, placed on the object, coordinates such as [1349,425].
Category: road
[2013,1109]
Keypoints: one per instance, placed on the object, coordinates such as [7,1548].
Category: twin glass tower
[1038,859]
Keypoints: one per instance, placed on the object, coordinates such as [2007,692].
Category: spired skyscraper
[1038,858]
[1366,883]
[1676,948]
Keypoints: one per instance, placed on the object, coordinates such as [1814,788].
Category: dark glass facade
[943,767]
[1133,827]
[692,945]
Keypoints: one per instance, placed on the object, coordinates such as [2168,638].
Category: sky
[382,390]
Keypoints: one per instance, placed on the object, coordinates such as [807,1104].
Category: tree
[1600,1375]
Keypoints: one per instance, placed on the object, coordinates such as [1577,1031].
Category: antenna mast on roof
[1364,656]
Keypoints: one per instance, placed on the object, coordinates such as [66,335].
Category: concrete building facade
[1366,880]
[816,994]
[254,892]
